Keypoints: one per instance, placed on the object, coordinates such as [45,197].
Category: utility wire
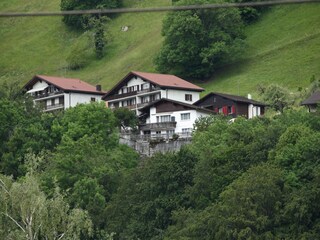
[155,9]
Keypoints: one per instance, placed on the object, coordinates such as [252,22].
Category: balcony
[45,94]
[158,126]
[124,95]
[148,90]
[53,107]
[141,105]
[119,96]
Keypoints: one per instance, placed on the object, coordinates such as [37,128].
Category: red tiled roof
[66,84]
[166,80]
[161,80]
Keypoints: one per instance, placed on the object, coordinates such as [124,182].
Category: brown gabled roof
[313,99]
[231,97]
[65,84]
[167,80]
[161,80]
[190,106]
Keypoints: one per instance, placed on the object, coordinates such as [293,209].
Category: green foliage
[251,14]
[22,129]
[142,207]
[225,151]
[80,52]
[88,161]
[126,118]
[250,205]
[198,42]
[91,120]
[78,22]
[26,213]
[98,27]
[276,97]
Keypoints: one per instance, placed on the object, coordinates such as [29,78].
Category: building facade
[139,89]
[231,105]
[55,93]
[167,117]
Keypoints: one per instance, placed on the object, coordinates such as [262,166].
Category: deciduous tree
[197,42]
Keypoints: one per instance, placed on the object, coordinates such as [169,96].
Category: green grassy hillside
[283,47]
[40,45]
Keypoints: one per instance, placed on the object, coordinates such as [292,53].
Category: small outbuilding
[312,102]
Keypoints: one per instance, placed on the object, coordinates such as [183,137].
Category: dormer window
[188,97]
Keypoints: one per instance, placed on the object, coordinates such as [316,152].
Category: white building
[54,93]
[166,117]
[138,89]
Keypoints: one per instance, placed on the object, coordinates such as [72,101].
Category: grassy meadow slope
[40,45]
[283,47]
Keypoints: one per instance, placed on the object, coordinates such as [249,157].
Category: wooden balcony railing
[158,126]
[44,94]
[53,107]
[123,95]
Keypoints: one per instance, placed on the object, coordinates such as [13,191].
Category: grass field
[32,46]
[282,47]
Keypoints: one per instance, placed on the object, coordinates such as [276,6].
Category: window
[229,109]
[93,99]
[131,102]
[188,97]
[154,97]
[145,99]
[51,89]
[170,132]
[185,116]
[144,86]
[165,118]
[186,130]
[131,89]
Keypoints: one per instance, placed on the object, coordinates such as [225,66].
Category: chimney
[98,88]
[249,96]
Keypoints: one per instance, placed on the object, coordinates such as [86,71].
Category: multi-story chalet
[165,117]
[312,102]
[138,89]
[232,105]
[54,93]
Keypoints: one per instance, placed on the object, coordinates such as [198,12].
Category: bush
[80,53]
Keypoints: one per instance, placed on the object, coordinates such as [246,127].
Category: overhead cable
[155,9]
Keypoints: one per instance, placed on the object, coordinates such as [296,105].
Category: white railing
[157,137]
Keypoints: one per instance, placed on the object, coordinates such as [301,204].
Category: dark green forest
[65,176]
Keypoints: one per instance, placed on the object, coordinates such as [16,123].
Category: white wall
[253,111]
[134,82]
[181,124]
[39,84]
[72,99]
[179,95]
